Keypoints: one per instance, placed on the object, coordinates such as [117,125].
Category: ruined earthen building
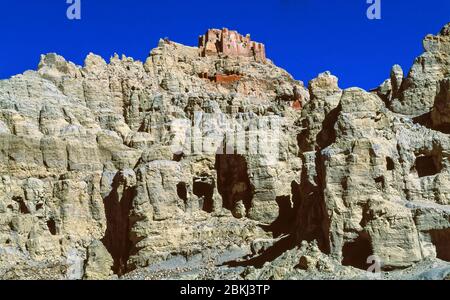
[231,43]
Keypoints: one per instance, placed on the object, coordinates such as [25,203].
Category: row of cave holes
[51,224]
[356,252]
[425,165]
[231,172]
[116,238]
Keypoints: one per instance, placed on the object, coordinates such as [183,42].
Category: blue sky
[306,37]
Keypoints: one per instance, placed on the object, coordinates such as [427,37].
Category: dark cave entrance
[380,183]
[204,191]
[178,157]
[355,253]
[441,240]
[51,225]
[390,166]
[182,191]
[233,181]
[428,165]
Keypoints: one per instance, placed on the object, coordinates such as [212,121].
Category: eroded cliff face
[221,166]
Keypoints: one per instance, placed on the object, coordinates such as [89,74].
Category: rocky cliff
[214,165]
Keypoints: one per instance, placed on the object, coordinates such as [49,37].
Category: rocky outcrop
[416,94]
[204,164]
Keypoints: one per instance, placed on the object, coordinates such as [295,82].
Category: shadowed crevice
[117,209]
[425,121]
[312,221]
[204,191]
[428,165]
[284,224]
[327,135]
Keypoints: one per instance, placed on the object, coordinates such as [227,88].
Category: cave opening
[390,166]
[182,191]
[22,206]
[427,166]
[233,180]
[204,191]
[51,225]
[355,253]
[380,182]
[178,157]
[441,240]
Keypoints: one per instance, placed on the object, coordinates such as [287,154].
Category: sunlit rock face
[211,162]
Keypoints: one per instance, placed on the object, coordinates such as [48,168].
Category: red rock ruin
[231,43]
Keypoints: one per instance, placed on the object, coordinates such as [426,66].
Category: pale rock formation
[419,89]
[99,262]
[221,166]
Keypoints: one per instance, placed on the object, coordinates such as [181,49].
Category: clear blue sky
[305,37]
